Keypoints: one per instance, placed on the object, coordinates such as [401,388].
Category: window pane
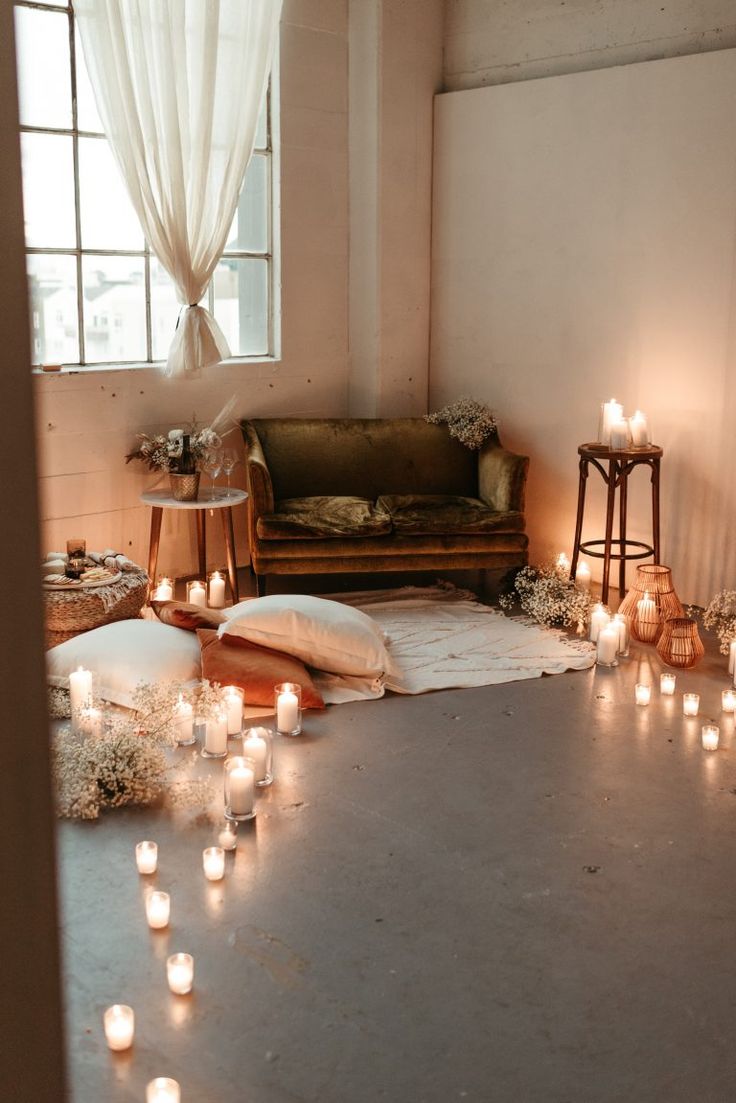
[44,73]
[52,284]
[165,309]
[48,190]
[108,218]
[87,117]
[249,231]
[241,304]
[262,127]
[114,309]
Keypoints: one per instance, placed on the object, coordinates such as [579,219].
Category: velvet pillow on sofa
[256,670]
[180,614]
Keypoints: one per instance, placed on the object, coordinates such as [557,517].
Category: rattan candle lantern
[680,645]
[653,583]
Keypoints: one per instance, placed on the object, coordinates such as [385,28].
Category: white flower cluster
[469,421]
[550,598]
[720,615]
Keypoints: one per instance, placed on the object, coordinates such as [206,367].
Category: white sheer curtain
[179,85]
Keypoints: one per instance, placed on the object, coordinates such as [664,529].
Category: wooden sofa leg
[261,585]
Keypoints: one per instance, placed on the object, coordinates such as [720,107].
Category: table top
[163,500]
[602,451]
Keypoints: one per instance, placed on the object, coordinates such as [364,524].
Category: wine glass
[212,466]
[229,461]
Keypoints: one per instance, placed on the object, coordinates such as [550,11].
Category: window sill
[156,367]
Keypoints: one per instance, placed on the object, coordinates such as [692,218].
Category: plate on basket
[71,585]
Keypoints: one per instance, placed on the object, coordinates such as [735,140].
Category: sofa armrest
[260,488]
[502,478]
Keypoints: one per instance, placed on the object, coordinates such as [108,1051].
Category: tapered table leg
[655,509]
[232,566]
[579,521]
[622,531]
[202,542]
[153,546]
[610,507]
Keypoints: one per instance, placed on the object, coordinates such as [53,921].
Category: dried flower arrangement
[164,453]
[720,615]
[469,421]
[548,596]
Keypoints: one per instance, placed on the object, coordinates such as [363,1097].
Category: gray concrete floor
[520,892]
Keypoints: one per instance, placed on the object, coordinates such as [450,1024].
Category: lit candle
[288,696]
[667,684]
[232,699]
[620,433]
[610,412]
[709,736]
[621,621]
[690,704]
[228,837]
[180,973]
[90,721]
[163,1090]
[643,693]
[197,594]
[184,719]
[582,576]
[80,689]
[599,619]
[239,787]
[213,862]
[728,700]
[119,1022]
[217,590]
[607,645]
[732,658]
[164,590]
[158,910]
[215,740]
[639,428]
[562,566]
[257,745]
[146,856]
[647,619]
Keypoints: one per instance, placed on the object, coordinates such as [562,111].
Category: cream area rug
[443,638]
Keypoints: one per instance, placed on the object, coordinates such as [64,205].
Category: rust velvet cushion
[179,614]
[256,670]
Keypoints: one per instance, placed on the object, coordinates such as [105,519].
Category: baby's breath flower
[470,422]
[720,615]
[549,597]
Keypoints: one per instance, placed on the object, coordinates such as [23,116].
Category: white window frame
[272,255]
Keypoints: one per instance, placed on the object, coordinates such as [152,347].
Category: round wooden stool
[621,462]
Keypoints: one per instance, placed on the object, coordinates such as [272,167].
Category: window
[98,295]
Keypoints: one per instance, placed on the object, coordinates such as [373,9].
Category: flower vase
[184,488]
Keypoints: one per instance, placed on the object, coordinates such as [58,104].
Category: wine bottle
[187,464]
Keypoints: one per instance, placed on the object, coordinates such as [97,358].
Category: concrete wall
[497,41]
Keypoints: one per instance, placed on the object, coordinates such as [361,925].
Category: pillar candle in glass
[217,591]
[610,412]
[184,715]
[582,576]
[690,704]
[163,1090]
[732,659]
[621,622]
[232,701]
[91,721]
[215,740]
[146,856]
[599,619]
[119,1023]
[158,910]
[240,788]
[643,693]
[709,736]
[197,594]
[639,428]
[620,433]
[667,684]
[258,746]
[80,689]
[728,700]
[607,646]
[180,973]
[228,837]
[647,619]
[288,708]
[164,591]
[213,863]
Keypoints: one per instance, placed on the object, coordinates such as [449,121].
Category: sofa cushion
[438,514]
[323,517]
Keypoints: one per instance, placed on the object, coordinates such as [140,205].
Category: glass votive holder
[643,693]
[213,863]
[228,836]
[240,788]
[163,1090]
[197,593]
[607,646]
[180,973]
[216,593]
[164,590]
[621,622]
[667,684]
[91,720]
[728,700]
[146,856]
[690,704]
[158,910]
[232,703]
[288,708]
[709,736]
[215,736]
[119,1023]
[258,746]
[184,719]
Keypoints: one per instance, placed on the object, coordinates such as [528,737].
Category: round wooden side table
[621,462]
[159,500]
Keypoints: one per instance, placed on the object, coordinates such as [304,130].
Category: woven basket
[656,581]
[69,613]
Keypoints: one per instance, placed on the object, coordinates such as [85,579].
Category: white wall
[496,41]
[583,248]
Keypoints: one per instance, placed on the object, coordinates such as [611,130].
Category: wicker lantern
[680,645]
[653,582]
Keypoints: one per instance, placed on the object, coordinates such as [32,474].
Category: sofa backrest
[364,457]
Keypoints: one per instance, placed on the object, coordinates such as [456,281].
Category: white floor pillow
[125,654]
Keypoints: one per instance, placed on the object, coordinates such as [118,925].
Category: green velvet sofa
[361,495]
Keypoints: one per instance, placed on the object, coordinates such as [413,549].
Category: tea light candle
[217,590]
[232,699]
[732,658]
[119,1023]
[184,713]
[647,618]
[728,700]
[690,704]
[667,684]
[215,740]
[643,693]
[213,862]
[164,590]
[146,856]
[158,910]
[239,787]
[180,973]
[582,576]
[709,736]
[197,594]
[163,1090]
[639,428]
[228,837]
[621,622]
[607,646]
[599,619]
[80,688]
[257,746]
